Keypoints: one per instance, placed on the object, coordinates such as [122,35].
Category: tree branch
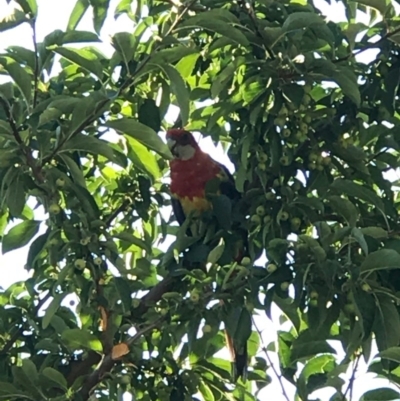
[36,71]
[124,205]
[9,344]
[349,388]
[30,160]
[108,362]
[369,46]
[249,9]
[277,374]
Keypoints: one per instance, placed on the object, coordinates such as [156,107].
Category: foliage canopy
[314,135]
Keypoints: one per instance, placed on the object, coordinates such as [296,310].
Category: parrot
[191,170]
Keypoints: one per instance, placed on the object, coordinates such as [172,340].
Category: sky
[54,14]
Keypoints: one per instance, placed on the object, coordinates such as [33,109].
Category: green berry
[260,210]
[271,267]
[194,296]
[327,161]
[85,241]
[283,111]
[284,160]
[279,122]
[60,182]
[262,166]
[284,216]
[266,219]
[80,264]
[262,157]
[286,133]
[270,196]
[285,286]
[97,261]
[313,157]
[306,100]
[295,222]
[246,261]
[256,219]
[115,108]
[207,329]
[54,208]
[303,127]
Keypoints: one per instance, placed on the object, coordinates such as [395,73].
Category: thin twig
[36,72]
[349,388]
[369,46]
[90,118]
[10,343]
[31,162]
[111,217]
[144,330]
[170,30]
[277,374]
[108,362]
[249,9]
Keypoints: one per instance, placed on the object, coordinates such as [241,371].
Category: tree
[313,133]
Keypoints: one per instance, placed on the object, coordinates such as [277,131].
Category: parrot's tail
[239,359]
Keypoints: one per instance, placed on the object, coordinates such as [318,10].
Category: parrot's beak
[172,145]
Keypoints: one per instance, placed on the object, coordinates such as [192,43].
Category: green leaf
[80,338]
[359,237]
[142,158]
[29,6]
[100,8]
[5,128]
[94,146]
[301,350]
[345,208]
[29,368]
[16,196]
[82,57]
[142,133]
[216,253]
[79,37]
[347,81]
[383,259]
[124,43]
[217,22]
[124,292]
[8,389]
[55,376]
[36,249]
[52,309]
[392,354]
[387,323]
[20,235]
[381,394]
[178,87]
[80,8]
[186,66]
[375,232]
[350,188]
[149,114]
[380,5]
[131,239]
[17,17]
[302,19]
[19,75]
[75,171]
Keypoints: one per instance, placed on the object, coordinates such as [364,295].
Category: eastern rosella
[191,170]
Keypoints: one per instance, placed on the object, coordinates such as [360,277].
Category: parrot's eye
[185,138]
